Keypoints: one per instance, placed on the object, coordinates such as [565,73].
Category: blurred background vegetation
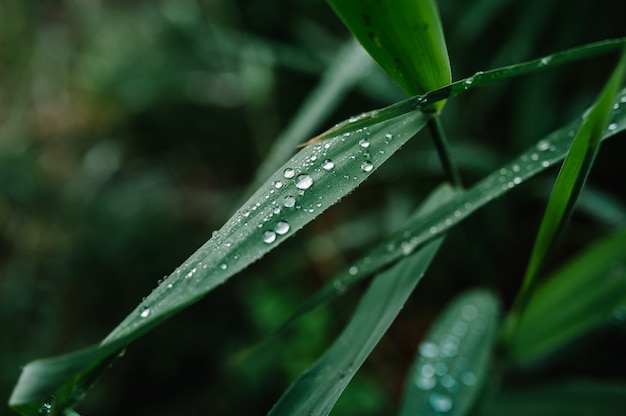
[129,131]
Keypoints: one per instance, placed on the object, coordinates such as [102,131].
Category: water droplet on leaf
[441,403]
[281,227]
[364,143]
[145,312]
[304,181]
[289,173]
[269,237]
[367,166]
[289,201]
[328,164]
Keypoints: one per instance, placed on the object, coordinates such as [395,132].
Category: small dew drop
[440,403]
[281,227]
[449,383]
[469,81]
[245,213]
[304,181]
[223,266]
[145,312]
[289,201]
[429,350]
[545,163]
[623,99]
[469,312]
[612,126]
[367,166]
[543,145]
[517,180]
[289,173]
[269,237]
[278,184]
[515,168]
[545,60]
[388,136]
[425,383]
[353,270]
[469,379]
[427,370]
[364,143]
[328,164]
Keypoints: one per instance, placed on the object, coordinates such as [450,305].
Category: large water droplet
[281,227]
[289,173]
[289,201]
[304,181]
[145,312]
[269,237]
[364,143]
[328,164]
[441,403]
[367,166]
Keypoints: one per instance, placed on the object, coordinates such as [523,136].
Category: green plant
[335,163]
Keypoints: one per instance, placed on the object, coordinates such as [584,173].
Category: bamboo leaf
[404,37]
[420,229]
[453,358]
[310,182]
[317,390]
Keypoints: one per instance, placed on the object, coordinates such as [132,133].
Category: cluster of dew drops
[303,181]
[442,370]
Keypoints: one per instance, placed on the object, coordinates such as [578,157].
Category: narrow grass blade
[453,358]
[310,182]
[317,390]
[420,229]
[404,37]
[574,300]
[479,79]
[569,184]
[571,398]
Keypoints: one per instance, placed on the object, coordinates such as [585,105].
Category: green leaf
[569,183]
[310,182]
[477,80]
[404,37]
[317,390]
[421,229]
[453,358]
[571,398]
[574,300]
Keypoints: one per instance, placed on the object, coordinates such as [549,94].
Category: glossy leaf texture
[584,294]
[545,154]
[405,38]
[317,390]
[570,181]
[310,182]
[453,358]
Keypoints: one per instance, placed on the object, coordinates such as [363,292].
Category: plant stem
[444,152]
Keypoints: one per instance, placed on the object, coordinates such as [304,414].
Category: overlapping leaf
[317,390]
[452,363]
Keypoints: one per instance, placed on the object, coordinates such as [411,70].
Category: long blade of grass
[317,390]
[310,182]
[573,300]
[419,230]
[453,359]
[569,184]
[477,80]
